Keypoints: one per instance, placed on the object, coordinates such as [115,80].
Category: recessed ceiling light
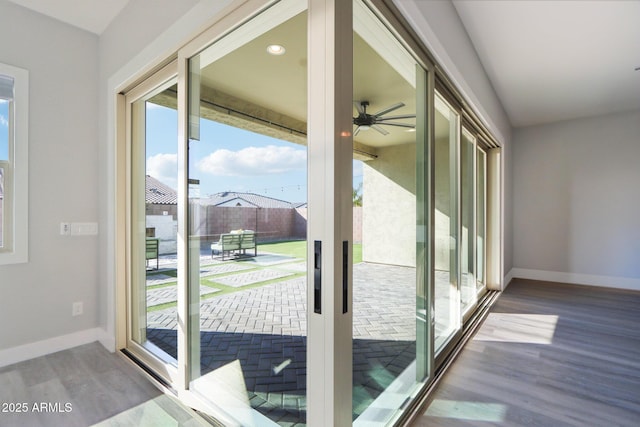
[276,49]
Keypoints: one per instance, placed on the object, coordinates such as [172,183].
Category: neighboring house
[232,199]
[161,214]
[160,198]
[273,219]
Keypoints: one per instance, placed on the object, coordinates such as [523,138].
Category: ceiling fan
[365,121]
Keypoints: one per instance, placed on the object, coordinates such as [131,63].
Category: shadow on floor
[274,367]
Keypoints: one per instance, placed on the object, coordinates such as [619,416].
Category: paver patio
[264,328]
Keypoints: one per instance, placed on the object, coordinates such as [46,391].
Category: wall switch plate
[84,228]
[65,229]
[77,309]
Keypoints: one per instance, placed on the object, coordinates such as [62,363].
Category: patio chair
[152,250]
[249,241]
[228,243]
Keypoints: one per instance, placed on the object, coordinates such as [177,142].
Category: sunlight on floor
[518,328]
[476,411]
[160,411]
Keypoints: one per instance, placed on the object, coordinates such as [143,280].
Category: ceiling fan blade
[357,131]
[380,129]
[403,125]
[403,116]
[359,108]
[389,109]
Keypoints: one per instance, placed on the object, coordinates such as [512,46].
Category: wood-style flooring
[85,386]
[548,354]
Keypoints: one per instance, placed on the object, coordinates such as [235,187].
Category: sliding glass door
[473,214]
[468,218]
[306,219]
[152,231]
[481,220]
[446,237]
[247,232]
[389,222]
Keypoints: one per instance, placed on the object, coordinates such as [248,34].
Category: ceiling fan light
[365,127]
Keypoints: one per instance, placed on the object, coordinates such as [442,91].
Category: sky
[229,159]
[225,158]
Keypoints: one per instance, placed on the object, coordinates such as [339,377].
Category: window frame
[15,213]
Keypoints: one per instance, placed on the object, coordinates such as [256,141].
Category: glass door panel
[388,261]
[6,116]
[481,214]
[153,223]
[247,172]
[468,219]
[446,304]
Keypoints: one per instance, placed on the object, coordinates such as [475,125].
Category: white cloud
[253,161]
[164,168]
[4,122]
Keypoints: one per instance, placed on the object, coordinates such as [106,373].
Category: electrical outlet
[76,309]
[65,229]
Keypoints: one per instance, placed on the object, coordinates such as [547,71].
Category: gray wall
[577,197]
[139,23]
[509,231]
[36,297]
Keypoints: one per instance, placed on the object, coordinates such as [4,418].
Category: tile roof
[158,193]
[249,198]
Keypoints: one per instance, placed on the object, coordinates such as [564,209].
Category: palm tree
[357,195]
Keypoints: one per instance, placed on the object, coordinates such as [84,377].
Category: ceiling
[281,85]
[557,60]
[547,60]
[90,15]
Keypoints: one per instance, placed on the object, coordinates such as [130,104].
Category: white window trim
[16,197]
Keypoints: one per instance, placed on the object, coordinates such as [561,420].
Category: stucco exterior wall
[166,231]
[389,207]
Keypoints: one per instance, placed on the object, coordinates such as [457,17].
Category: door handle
[345,276]
[317,276]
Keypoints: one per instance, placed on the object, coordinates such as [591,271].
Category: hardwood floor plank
[100,387]
[587,373]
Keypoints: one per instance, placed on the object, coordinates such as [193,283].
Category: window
[13,164]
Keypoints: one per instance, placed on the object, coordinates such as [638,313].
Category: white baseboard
[52,345]
[107,341]
[508,278]
[577,279]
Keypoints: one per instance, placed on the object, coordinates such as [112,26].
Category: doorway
[297,258]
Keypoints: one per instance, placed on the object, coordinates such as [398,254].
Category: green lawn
[298,249]
[293,248]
